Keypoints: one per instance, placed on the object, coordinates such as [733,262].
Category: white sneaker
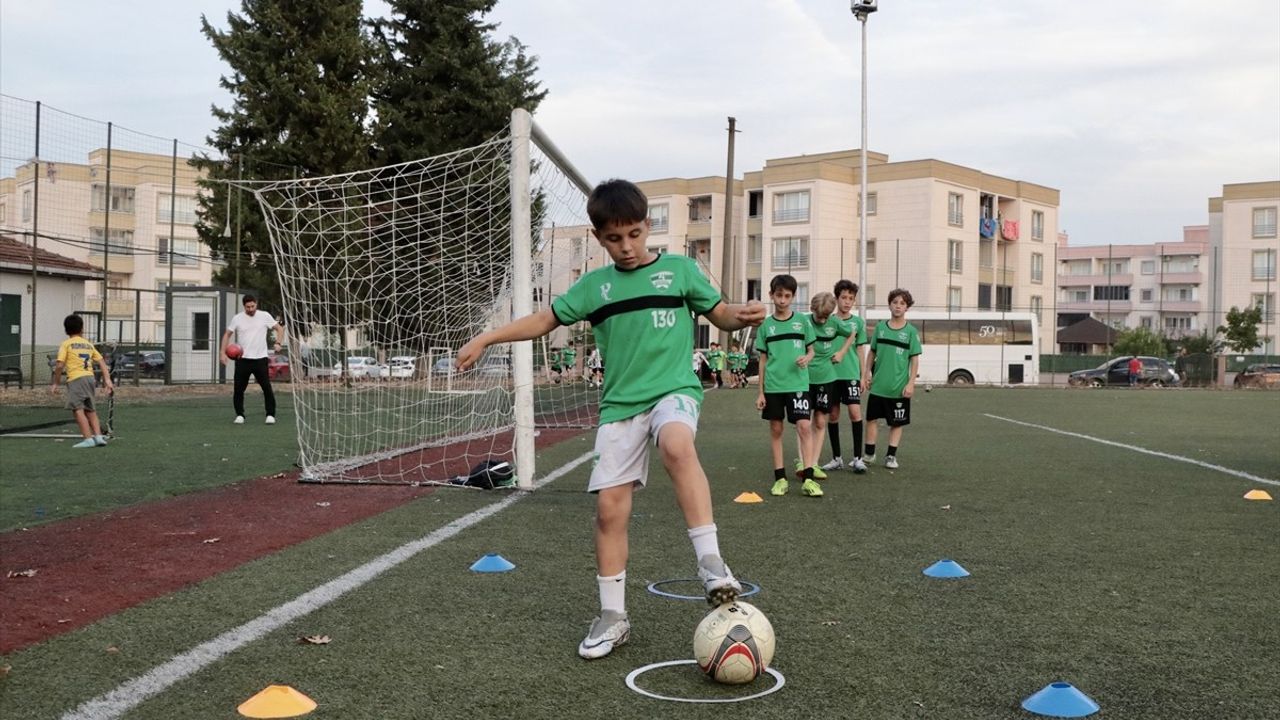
[271,420]
[239,419]
[835,464]
[870,459]
[718,581]
[858,466]
[607,632]
[891,462]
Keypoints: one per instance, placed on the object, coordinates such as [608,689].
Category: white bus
[981,346]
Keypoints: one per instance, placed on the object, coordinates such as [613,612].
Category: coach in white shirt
[250,330]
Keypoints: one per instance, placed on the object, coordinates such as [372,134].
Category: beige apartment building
[1243,239]
[125,230]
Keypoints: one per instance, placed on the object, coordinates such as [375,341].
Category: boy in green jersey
[641,313]
[831,338]
[715,359]
[890,375]
[848,386]
[785,343]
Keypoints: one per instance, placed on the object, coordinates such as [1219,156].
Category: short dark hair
[617,202]
[845,286]
[783,282]
[248,299]
[73,324]
[900,293]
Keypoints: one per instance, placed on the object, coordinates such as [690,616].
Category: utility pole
[862,9]
[728,285]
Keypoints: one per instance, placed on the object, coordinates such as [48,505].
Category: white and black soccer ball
[734,643]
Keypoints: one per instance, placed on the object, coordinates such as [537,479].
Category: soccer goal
[386,272]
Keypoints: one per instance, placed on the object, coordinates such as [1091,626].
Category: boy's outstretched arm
[735,317]
[526,328]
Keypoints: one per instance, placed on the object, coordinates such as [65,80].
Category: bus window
[944,332]
[1021,334]
[988,332]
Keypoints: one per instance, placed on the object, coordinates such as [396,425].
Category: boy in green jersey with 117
[890,375]
[785,343]
[641,313]
[848,385]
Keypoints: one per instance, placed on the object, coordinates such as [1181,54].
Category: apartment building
[136,230]
[1242,236]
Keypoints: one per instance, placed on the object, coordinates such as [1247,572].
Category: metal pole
[862,178]
[106,243]
[173,203]
[522,293]
[728,289]
[35,239]
[239,178]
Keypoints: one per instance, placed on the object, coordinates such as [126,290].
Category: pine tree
[300,91]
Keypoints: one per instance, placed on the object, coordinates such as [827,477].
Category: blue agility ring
[749,587]
[779,681]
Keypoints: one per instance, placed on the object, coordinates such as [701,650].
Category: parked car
[358,366]
[1259,375]
[148,363]
[278,367]
[443,366]
[1156,372]
[399,367]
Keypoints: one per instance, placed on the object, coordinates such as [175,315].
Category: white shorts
[622,448]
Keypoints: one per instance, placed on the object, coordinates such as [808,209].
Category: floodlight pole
[862,9]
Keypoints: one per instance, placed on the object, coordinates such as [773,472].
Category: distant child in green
[893,362]
[848,385]
[737,363]
[785,343]
[77,356]
[641,309]
[715,359]
[565,362]
[832,337]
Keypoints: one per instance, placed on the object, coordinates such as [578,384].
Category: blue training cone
[1060,700]
[493,562]
[946,569]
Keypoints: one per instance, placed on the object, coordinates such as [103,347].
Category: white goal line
[1135,448]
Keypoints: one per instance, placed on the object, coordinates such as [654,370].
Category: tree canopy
[1240,333]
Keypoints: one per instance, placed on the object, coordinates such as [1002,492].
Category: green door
[10,331]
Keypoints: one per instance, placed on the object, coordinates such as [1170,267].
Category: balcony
[1193,277]
[117,264]
[795,215]
[1179,306]
[1092,306]
[1095,279]
[117,307]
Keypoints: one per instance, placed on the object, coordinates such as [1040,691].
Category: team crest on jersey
[797,326]
[604,292]
[662,280]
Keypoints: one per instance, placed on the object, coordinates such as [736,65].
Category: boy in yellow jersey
[77,356]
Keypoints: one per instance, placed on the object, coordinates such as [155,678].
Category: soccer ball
[234,351]
[734,643]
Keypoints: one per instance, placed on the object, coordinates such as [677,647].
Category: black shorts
[823,396]
[794,406]
[848,392]
[896,412]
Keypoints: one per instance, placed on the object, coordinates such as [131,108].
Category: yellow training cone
[1257,495]
[748,497]
[277,701]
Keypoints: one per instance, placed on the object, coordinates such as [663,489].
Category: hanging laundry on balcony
[987,227]
[1009,230]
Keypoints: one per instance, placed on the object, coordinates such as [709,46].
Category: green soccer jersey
[894,350]
[568,356]
[850,368]
[782,342]
[716,359]
[737,361]
[643,323]
[829,337]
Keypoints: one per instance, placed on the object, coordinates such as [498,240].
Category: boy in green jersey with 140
[848,385]
[832,339]
[641,313]
[890,375]
[785,343]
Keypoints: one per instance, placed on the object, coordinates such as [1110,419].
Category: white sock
[705,541]
[613,592]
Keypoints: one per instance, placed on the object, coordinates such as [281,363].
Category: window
[1111,292]
[1078,267]
[755,199]
[801,300]
[1146,296]
[26,205]
[1115,267]
[871,296]
[955,256]
[1267,302]
[871,250]
[986,252]
[953,298]
[754,247]
[1077,295]
[1182,264]
[1177,325]
[1179,293]
[658,249]
[659,221]
[159,333]
[871,203]
[184,209]
[984,296]
[1145,322]
[753,289]
[1037,267]
[700,209]
[4,212]
[185,251]
[1148,267]
[1264,222]
[121,242]
[121,199]
[1037,226]
[791,253]
[1004,297]
[1264,264]
[1037,306]
[791,207]
[161,285]
[200,331]
[955,209]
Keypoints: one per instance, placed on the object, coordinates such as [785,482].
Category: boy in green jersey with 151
[848,385]
[785,343]
[832,338]
[890,375]
[641,309]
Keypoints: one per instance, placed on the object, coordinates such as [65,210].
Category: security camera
[863,7]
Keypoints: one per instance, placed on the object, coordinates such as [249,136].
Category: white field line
[1135,448]
[132,693]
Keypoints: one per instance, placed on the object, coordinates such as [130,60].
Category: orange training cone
[277,701]
[748,497]
[1257,495]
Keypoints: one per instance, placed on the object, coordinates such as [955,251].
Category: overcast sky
[1137,111]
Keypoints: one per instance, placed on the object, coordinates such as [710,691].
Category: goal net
[387,272]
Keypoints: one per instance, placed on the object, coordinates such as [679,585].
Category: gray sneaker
[718,581]
[607,632]
[858,466]
[891,462]
[835,464]
[871,459]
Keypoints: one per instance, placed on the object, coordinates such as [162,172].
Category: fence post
[35,241]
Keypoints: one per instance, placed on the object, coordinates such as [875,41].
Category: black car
[149,363]
[1156,372]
